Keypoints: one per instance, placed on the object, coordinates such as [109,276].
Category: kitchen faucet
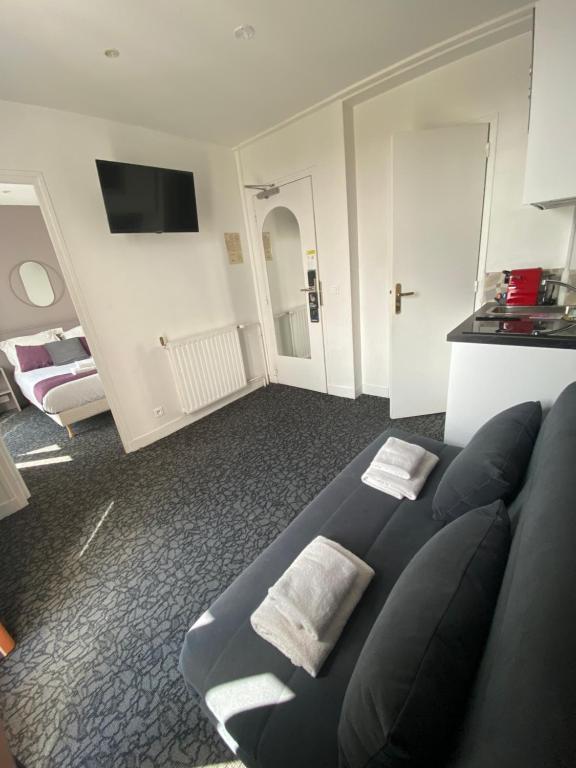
[558,282]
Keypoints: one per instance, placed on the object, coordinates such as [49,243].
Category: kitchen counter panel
[510,333]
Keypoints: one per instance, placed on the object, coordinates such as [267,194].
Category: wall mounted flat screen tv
[140,198]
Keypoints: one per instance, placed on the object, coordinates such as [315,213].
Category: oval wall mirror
[283,253]
[36,282]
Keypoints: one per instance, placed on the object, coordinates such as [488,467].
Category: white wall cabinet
[551,159]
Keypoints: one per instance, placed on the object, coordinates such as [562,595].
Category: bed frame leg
[70,431]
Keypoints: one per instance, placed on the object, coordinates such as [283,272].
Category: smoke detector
[244,32]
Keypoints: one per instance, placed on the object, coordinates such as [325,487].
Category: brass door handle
[398,293]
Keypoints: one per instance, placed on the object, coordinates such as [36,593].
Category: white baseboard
[376,389]
[183,421]
[341,391]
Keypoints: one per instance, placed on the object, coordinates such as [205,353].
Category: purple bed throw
[42,388]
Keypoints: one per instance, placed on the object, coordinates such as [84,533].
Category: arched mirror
[283,254]
[36,282]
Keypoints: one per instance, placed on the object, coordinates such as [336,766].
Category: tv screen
[140,198]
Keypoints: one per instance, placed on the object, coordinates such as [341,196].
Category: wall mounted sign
[267,242]
[234,247]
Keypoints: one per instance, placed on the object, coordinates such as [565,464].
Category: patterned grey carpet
[117,555]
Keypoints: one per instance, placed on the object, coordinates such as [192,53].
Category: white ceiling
[17,194]
[181,69]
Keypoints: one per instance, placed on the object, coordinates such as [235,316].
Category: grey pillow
[492,465]
[66,351]
[408,691]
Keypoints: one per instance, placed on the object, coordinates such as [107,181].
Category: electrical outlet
[158,411]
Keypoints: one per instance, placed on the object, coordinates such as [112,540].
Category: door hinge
[487,149]
[476,285]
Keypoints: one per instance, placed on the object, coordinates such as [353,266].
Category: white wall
[314,145]
[134,288]
[486,85]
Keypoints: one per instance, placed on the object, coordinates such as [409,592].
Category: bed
[61,391]
[74,399]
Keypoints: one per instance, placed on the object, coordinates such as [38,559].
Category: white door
[437,198]
[290,280]
[13,491]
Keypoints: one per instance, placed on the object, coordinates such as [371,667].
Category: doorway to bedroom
[50,389]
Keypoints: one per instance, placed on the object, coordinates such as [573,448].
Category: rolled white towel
[311,590]
[297,644]
[399,458]
[396,486]
[84,365]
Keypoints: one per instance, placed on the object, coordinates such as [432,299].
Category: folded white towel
[312,589]
[84,365]
[399,458]
[396,486]
[297,644]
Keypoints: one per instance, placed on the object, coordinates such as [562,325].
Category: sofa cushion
[257,699]
[522,712]
[492,465]
[411,681]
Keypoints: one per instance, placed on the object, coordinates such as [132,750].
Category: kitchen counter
[495,364]
[522,333]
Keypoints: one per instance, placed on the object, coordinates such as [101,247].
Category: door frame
[37,180]
[257,263]
[492,121]
[12,482]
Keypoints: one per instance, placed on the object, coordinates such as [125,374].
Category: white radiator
[299,330]
[292,332]
[207,367]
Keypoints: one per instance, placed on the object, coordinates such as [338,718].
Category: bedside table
[7,397]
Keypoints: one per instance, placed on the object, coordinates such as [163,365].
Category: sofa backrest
[522,712]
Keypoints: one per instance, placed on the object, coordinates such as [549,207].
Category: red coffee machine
[524,286]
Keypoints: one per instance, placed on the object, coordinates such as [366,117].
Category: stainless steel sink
[539,312]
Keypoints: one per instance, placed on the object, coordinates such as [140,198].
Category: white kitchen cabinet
[551,159]
[487,378]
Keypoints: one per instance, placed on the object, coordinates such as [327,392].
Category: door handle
[398,297]
[310,289]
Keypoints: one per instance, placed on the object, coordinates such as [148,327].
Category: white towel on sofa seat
[396,486]
[297,644]
[312,589]
[399,458]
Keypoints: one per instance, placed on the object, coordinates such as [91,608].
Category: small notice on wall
[267,245]
[234,247]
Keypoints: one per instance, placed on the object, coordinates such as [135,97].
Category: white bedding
[73,394]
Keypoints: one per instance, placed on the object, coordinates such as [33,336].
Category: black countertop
[559,334]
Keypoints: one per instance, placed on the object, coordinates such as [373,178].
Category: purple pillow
[32,357]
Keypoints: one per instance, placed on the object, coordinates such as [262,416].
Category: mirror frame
[268,245]
[17,286]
